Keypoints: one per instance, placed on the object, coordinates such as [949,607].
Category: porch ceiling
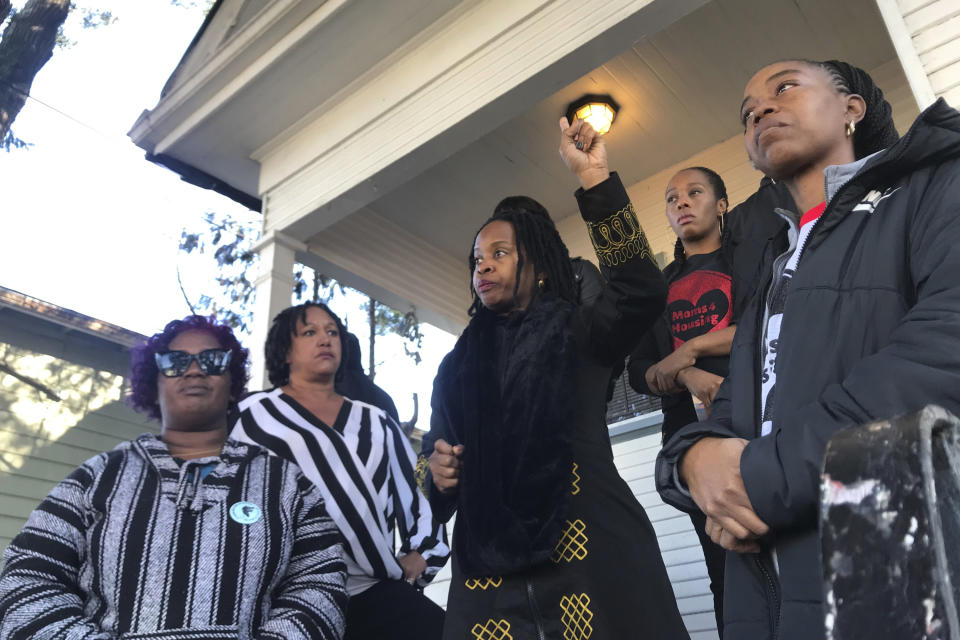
[344,153]
[248,78]
[678,90]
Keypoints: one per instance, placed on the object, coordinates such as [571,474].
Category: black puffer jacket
[753,236]
[871,329]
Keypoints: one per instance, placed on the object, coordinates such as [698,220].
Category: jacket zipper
[780,263]
[775,272]
[773,597]
[771,585]
[535,611]
[765,285]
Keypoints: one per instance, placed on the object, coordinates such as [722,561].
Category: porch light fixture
[598,110]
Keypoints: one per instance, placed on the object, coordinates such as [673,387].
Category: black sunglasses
[173,364]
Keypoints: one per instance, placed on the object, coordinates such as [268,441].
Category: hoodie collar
[934,137]
[184,483]
[837,175]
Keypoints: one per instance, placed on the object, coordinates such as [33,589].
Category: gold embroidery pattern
[420,473]
[573,543]
[576,616]
[575,489]
[483,583]
[619,238]
[492,630]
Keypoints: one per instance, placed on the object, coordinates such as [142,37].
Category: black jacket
[354,383]
[871,329]
[753,236]
[606,577]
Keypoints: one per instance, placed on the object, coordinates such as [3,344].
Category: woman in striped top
[187,536]
[361,461]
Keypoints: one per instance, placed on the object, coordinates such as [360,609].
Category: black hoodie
[871,329]
[355,384]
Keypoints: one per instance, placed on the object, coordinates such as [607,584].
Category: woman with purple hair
[185,534]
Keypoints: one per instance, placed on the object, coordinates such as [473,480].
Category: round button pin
[245,512]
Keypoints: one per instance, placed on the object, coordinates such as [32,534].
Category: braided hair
[538,241]
[876,131]
[719,190]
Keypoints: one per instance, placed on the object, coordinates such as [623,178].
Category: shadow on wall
[42,440]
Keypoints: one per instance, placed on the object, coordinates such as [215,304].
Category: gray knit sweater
[133,545]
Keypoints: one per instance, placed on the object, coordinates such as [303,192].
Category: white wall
[43,440]
[934,27]
[635,453]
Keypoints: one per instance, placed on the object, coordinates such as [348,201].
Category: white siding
[935,30]
[926,35]
[635,452]
[44,440]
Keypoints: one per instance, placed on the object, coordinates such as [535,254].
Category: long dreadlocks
[538,241]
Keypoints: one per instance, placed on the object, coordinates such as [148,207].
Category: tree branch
[25,46]
[409,425]
[184,292]
[36,384]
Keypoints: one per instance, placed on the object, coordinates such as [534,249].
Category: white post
[274,290]
[909,58]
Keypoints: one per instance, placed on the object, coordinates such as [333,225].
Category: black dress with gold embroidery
[606,579]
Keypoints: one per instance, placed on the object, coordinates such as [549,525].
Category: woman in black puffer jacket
[856,321]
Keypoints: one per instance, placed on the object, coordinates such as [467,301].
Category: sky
[88,224]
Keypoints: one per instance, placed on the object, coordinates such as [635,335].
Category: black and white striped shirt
[364,467]
[132,544]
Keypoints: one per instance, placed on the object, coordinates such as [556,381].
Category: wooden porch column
[274,290]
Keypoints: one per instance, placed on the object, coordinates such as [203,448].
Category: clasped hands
[677,373]
[711,470]
[413,565]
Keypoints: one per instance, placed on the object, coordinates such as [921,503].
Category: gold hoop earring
[851,127]
[540,283]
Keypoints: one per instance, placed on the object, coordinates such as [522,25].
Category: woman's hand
[662,377]
[584,152]
[413,565]
[700,383]
[653,379]
[711,470]
[726,540]
[445,465]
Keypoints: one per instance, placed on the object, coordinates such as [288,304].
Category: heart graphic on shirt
[689,320]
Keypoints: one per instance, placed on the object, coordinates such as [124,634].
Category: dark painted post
[890,529]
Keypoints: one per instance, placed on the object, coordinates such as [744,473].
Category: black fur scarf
[513,420]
